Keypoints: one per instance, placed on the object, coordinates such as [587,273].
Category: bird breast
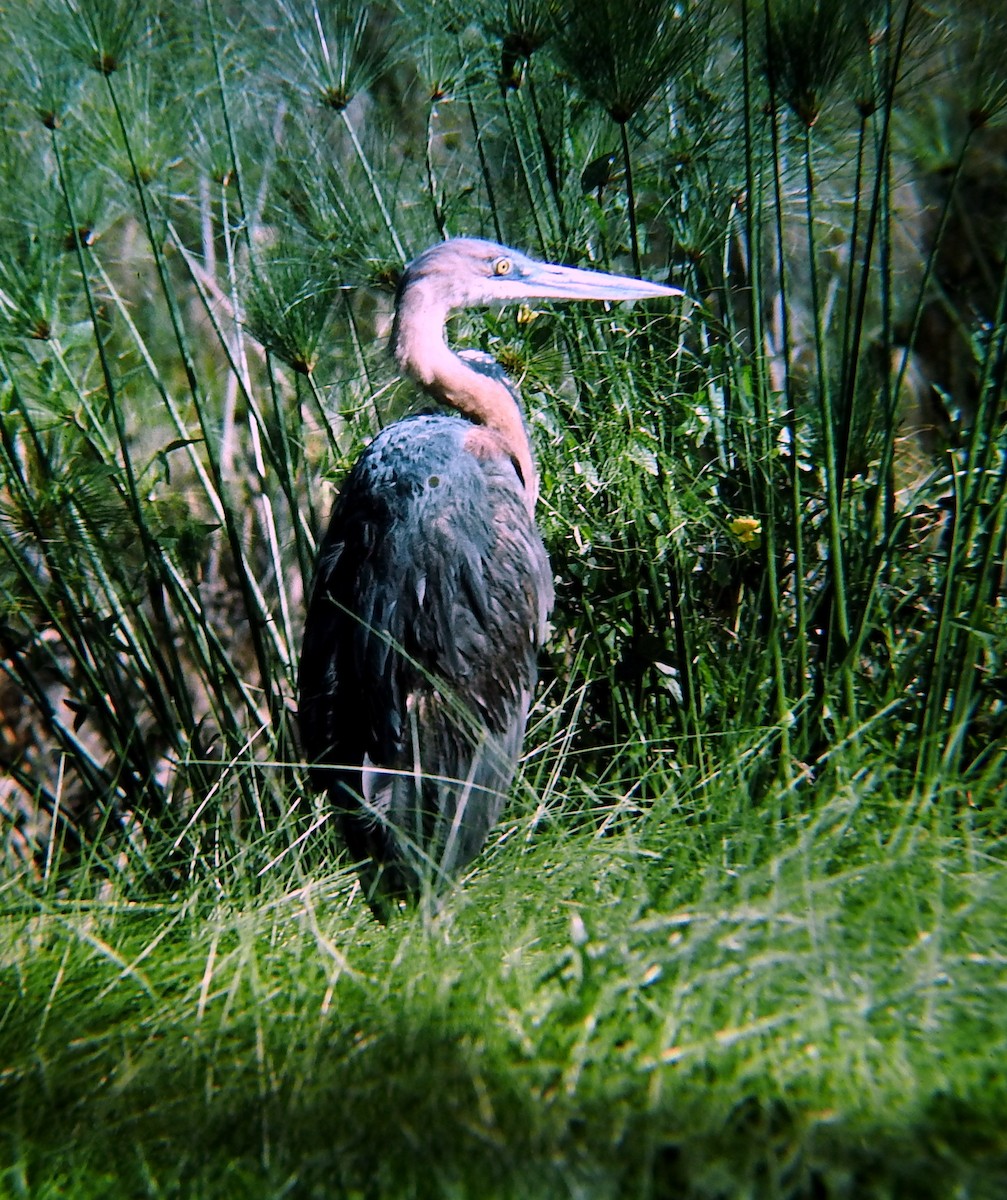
[432,549]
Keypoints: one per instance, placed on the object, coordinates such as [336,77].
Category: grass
[680,1007]
[740,933]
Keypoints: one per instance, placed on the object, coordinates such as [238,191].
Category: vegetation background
[741,932]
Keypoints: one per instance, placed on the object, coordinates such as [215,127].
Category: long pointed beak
[547,282]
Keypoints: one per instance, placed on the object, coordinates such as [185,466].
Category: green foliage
[814,1008]
[332,54]
[624,57]
[740,933]
[839,33]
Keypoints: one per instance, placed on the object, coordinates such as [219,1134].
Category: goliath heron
[433,589]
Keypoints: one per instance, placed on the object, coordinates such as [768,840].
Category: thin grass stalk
[56,842]
[100,782]
[255,601]
[99,663]
[282,458]
[214,660]
[109,707]
[992,572]
[170,707]
[982,439]
[64,616]
[928,269]
[682,625]
[848,386]
[484,168]
[145,651]
[878,228]
[67,629]
[228,438]
[836,574]
[877,220]
[767,505]
[253,219]
[267,523]
[179,691]
[985,586]
[372,183]
[967,665]
[954,671]
[303,519]
[966,493]
[319,405]
[188,443]
[374,419]
[102,447]
[550,197]
[276,461]
[932,682]
[548,153]
[634,233]
[552,730]
[684,652]
[150,549]
[232,148]
[790,421]
[94,775]
[301,536]
[541,202]
[282,463]
[661,612]
[882,520]
[753,240]
[431,180]
[527,175]
[883,516]
[252,596]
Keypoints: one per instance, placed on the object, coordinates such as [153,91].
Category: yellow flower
[746,529]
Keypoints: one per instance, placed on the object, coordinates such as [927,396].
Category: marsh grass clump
[811,45]
[32,265]
[99,34]
[624,56]
[523,27]
[977,48]
[288,305]
[331,47]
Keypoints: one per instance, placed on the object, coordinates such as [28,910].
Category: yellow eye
[502,266]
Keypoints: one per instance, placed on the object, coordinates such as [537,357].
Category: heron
[433,589]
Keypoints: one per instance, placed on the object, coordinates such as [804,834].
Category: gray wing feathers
[420,647]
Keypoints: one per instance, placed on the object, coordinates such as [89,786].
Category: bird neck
[442,374]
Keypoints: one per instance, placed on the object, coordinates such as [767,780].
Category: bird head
[469,271]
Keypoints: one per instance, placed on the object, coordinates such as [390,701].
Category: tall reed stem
[764,424]
[836,579]
[634,233]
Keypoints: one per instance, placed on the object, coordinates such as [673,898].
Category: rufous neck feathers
[421,352]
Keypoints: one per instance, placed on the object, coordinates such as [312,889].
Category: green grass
[677,1007]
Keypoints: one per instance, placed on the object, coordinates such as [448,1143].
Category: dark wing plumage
[419,660]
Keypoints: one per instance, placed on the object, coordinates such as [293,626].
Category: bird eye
[502,266]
